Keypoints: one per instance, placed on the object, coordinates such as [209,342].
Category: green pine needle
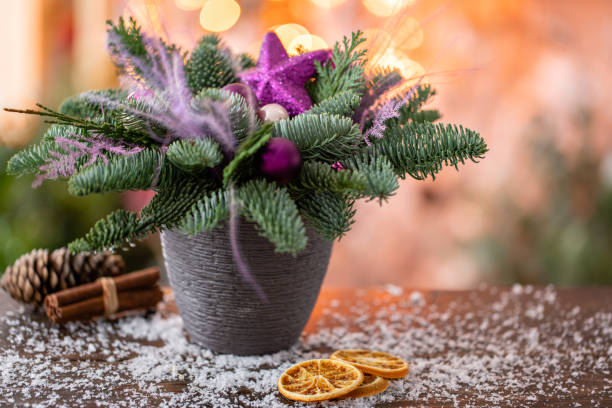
[81,106]
[110,233]
[343,73]
[121,173]
[209,66]
[273,210]
[321,137]
[194,155]
[343,104]
[242,116]
[206,213]
[422,149]
[377,170]
[318,176]
[331,214]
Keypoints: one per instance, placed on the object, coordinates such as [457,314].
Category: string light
[305,43]
[385,8]
[219,15]
[189,5]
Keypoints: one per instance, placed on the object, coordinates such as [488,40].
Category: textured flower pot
[223,312]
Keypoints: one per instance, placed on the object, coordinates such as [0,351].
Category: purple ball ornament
[243,90]
[280,160]
[272,112]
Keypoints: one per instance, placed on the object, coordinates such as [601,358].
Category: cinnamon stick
[89,308]
[135,290]
[139,279]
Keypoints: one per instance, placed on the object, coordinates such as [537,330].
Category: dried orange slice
[318,380]
[374,362]
[371,385]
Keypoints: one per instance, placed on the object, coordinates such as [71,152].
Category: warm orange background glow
[498,67]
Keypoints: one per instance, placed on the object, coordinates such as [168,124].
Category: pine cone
[39,273]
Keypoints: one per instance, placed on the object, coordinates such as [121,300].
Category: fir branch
[317,176]
[343,73]
[378,171]
[246,61]
[95,125]
[194,155]
[242,116]
[171,203]
[426,115]
[421,149]
[81,106]
[30,159]
[321,137]
[331,214]
[271,208]
[207,213]
[209,65]
[121,173]
[343,104]
[127,38]
[114,231]
[63,131]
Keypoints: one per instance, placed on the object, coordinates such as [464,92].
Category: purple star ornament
[281,79]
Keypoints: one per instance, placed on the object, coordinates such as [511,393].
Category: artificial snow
[461,354]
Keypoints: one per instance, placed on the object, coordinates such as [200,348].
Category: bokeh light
[189,5]
[409,35]
[327,3]
[386,8]
[219,15]
[395,59]
[289,32]
[305,43]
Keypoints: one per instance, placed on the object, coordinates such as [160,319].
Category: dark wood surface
[563,313]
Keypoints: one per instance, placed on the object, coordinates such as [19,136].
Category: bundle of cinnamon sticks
[106,296]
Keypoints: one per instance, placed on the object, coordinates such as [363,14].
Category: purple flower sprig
[389,110]
[64,161]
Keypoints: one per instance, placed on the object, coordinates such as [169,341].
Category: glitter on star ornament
[280,79]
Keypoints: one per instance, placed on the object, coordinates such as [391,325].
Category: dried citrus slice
[318,380]
[374,362]
[371,385]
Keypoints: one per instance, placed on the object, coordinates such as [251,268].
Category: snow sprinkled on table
[518,346]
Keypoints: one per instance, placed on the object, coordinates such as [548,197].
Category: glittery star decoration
[278,78]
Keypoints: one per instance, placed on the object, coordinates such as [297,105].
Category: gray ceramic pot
[223,312]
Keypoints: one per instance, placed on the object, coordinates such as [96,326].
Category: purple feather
[158,80]
[243,268]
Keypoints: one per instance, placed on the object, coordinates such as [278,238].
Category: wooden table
[495,346]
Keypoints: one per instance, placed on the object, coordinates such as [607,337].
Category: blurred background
[532,76]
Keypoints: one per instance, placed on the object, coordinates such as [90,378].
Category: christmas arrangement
[256,166]
[279,141]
